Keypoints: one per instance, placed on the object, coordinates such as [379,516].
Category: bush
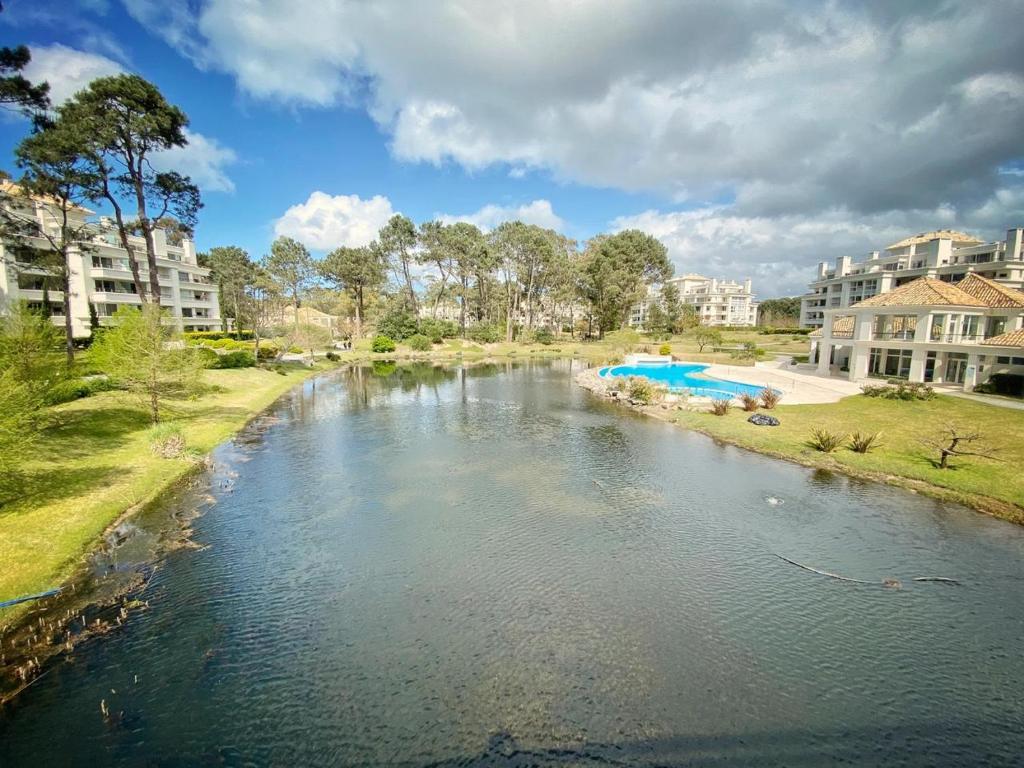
[770,398]
[382,343]
[825,441]
[749,402]
[268,351]
[438,330]
[333,357]
[76,389]
[167,440]
[643,390]
[750,351]
[214,335]
[482,333]
[240,358]
[206,357]
[295,350]
[862,442]
[418,342]
[720,407]
[398,326]
[543,336]
[899,390]
[665,349]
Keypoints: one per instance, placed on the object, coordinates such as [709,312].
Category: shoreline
[591,381]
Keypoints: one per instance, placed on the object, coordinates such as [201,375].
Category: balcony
[907,335]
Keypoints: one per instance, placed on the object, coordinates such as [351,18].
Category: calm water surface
[486,565]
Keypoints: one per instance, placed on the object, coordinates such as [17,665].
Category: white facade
[717,302]
[943,254]
[100,276]
[926,331]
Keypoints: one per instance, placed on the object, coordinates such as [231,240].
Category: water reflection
[484,565]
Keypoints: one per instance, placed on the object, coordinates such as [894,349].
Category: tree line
[517,278]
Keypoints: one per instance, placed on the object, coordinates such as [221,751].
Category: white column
[917,362]
[971,375]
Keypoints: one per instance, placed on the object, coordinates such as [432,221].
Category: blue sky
[752,138]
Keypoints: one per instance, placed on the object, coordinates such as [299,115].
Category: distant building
[100,274]
[927,330]
[717,302]
[942,255]
[311,316]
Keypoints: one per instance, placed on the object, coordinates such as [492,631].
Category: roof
[938,234]
[842,324]
[8,187]
[1011,339]
[923,292]
[990,292]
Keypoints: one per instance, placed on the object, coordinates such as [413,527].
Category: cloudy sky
[753,137]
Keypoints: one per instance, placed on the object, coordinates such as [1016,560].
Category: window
[970,328]
[1003,360]
[183,277]
[889,363]
[995,326]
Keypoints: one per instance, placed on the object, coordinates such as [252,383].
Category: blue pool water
[688,376]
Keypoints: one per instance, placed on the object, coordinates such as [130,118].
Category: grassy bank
[996,487]
[96,462]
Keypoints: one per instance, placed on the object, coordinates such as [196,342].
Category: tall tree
[395,243]
[436,251]
[616,271]
[355,271]
[15,90]
[290,264]
[57,173]
[121,121]
[521,250]
[232,268]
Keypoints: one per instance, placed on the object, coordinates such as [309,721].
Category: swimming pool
[688,376]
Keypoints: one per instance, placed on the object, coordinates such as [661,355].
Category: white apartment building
[942,255]
[927,330]
[100,274]
[718,302]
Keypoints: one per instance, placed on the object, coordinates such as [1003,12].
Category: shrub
[482,333]
[214,335]
[862,442]
[167,440]
[240,358]
[543,336]
[825,441]
[383,343]
[644,390]
[438,330]
[268,351]
[417,342]
[75,389]
[750,351]
[749,402]
[333,357]
[294,350]
[206,357]
[770,398]
[720,407]
[665,349]
[398,325]
[900,390]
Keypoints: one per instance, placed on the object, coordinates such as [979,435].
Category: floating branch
[941,579]
[886,582]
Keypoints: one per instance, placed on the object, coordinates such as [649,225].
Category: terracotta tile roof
[842,324]
[990,292]
[938,234]
[1011,339]
[923,292]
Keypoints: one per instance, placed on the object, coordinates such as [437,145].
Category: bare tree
[954,441]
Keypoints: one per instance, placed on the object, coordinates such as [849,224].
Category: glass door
[956,367]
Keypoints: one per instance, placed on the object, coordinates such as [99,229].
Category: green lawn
[96,462]
[901,454]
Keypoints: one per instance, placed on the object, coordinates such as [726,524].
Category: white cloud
[67,70]
[780,252]
[538,212]
[203,159]
[325,222]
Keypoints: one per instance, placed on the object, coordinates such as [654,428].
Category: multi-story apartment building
[99,272]
[941,255]
[717,302]
[927,330]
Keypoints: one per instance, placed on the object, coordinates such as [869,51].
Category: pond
[487,565]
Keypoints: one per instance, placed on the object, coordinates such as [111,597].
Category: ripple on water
[492,567]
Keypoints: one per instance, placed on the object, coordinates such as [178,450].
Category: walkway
[798,387]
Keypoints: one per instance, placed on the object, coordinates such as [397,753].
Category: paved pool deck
[798,387]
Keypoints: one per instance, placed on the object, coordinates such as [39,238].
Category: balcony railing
[890,335]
